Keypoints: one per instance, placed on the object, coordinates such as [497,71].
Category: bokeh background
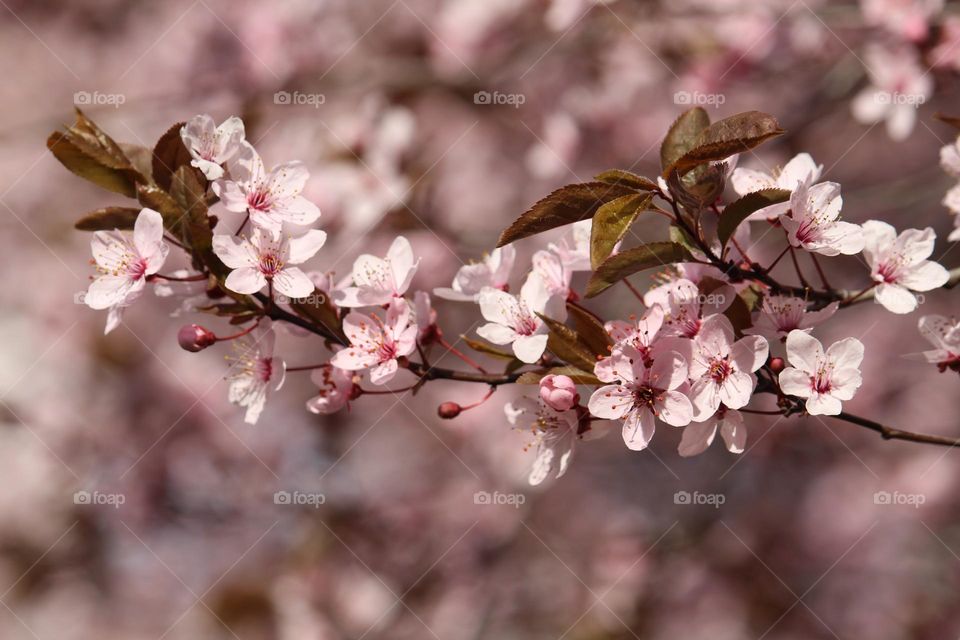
[382,108]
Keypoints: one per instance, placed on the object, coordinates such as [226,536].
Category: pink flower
[376,344]
[898,86]
[574,247]
[801,168]
[263,258]
[559,392]
[640,334]
[124,265]
[513,320]
[426,317]
[684,306]
[905,18]
[377,281]
[209,145]
[824,379]
[270,198]
[644,394]
[554,432]
[698,436]
[813,224]
[899,264]
[555,275]
[944,334]
[722,370]
[493,271]
[335,389]
[254,371]
[779,315]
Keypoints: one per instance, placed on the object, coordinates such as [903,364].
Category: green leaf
[483,347]
[169,154]
[571,203]
[681,237]
[627,179]
[682,135]
[611,223]
[729,136]
[739,210]
[590,330]
[626,263]
[564,343]
[93,155]
[108,219]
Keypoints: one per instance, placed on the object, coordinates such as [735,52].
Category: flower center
[263,369]
[270,264]
[259,199]
[719,370]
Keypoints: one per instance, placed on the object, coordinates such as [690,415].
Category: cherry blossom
[643,394]
[559,392]
[377,281]
[554,432]
[513,319]
[813,224]
[898,86]
[697,436]
[269,198]
[556,276]
[684,306]
[906,18]
[335,387]
[264,259]
[211,146]
[493,271]
[800,168]
[721,368]
[899,264]
[426,317]
[779,315]
[376,344]
[124,264]
[574,247]
[255,371]
[944,334]
[824,379]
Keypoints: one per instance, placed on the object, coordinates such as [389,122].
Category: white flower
[721,369]
[574,247]
[801,168]
[697,436]
[555,274]
[270,198]
[641,334]
[376,344]
[554,433]
[124,265]
[513,320]
[898,86]
[684,306]
[209,145]
[899,264]
[494,272]
[255,370]
[263,258]
[335,387]
[824,379]
[379,280]
[813,224]
[944,334]
[644,394]
[779,315]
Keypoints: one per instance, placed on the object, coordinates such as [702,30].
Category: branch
[889,433]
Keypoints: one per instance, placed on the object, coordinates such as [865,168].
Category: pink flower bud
[193,337]
[449,410]
[776,365]
[559,392]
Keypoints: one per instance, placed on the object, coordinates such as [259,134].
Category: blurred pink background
[380,102]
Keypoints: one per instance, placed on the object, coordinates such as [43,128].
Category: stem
[196,278]
[848,301]
[757,411]
[452,349]
[889,433]
[480,401]
[242,224]
[796,265]
[242,333]
[378,392]
[633,290]
[823,277]
[308,367]
[774,263]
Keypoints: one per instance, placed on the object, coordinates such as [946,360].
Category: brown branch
[889,433]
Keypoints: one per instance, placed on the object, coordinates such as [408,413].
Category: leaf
[739,210]
[590,331]
[93,155]
[318,309]
[626,263]
[169,154]
[953,121]
[159,200]
[530,377]
[729,136]
[564,343]
[682,135]
[681,237]
[627,179]
[611,223]
[189,193]
[571,203]
[577,375]
[108,219]
[483,347]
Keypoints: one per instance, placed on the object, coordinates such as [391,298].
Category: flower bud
[448,410]
[776,365]
[193,337]
[559,392]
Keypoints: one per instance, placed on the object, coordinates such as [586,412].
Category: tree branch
[889,433]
